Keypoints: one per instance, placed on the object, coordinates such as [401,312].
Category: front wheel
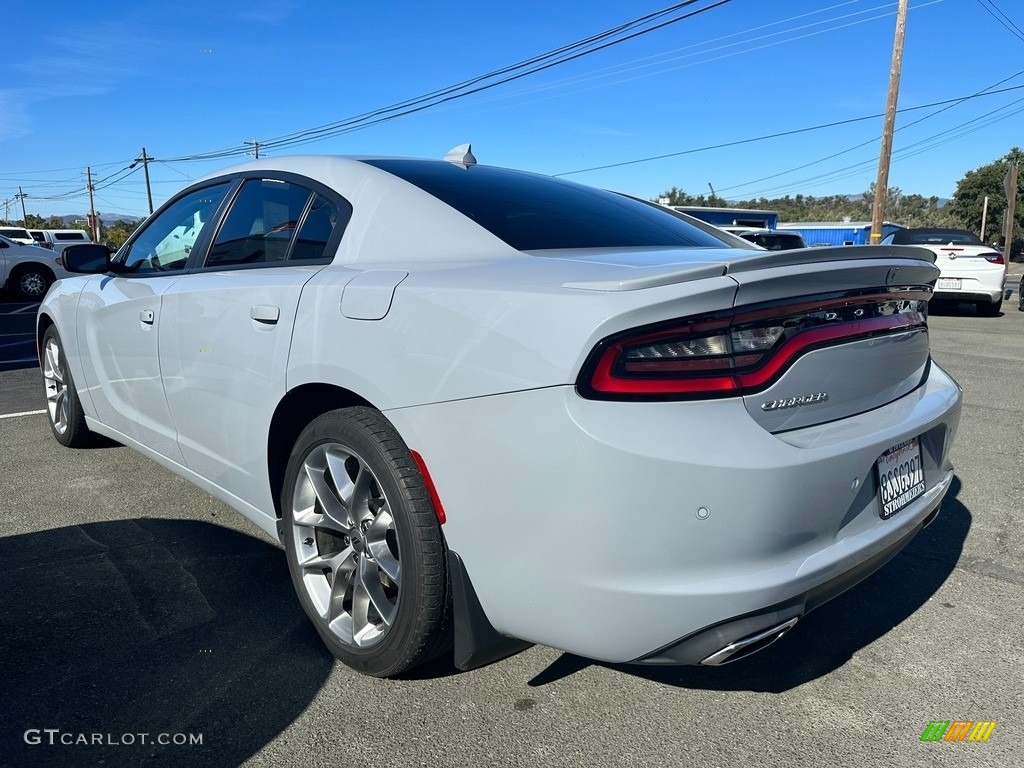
[364,546]
[64,409]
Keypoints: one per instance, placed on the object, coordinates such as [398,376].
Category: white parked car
[970,270]
[27,271]
[18,234]
[484,408]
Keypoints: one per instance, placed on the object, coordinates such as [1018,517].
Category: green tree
[969,200]
[118,232]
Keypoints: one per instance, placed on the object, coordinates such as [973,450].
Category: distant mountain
[105,218]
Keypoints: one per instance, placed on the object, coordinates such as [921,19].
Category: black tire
[391,609]
[989,308]
[31,282]
[63,407]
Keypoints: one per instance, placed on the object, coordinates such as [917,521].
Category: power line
[780,134]
[992,10]
[533,65]
[873,139]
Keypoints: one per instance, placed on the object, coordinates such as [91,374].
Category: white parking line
[26,308]
[23,413]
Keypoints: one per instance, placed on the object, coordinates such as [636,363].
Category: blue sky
[92,88]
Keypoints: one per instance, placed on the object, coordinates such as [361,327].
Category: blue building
[731,217]
[841,233]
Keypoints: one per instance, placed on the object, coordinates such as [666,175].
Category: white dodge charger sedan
[482,408]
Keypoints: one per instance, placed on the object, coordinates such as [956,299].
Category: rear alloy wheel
[364,546]
[31,283]
[989,308]
[64,409]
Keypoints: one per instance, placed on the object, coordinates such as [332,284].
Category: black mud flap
[477,643]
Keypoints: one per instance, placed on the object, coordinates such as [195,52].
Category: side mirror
[90,259]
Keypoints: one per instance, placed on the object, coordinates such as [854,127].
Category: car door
[225,329]
[119,316]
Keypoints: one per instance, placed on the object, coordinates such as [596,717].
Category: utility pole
[882,181]
[1010,185]
[145,169]
[984,217]
[94,229]
[255,146]
[24,216]
[7,210]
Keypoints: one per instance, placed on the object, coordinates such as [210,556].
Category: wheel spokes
[56,393]
[378,542]
[321,469]
[346,544]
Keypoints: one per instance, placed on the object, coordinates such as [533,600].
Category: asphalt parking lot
[132,603]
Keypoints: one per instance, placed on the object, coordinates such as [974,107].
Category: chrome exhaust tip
[749,644]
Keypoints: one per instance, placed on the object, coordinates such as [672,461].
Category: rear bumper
[740,636]
[984,287]
[614,530]
[990,297]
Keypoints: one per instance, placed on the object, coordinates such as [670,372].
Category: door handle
[264,313]
[147,316]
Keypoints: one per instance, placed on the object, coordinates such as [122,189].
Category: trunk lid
[879,300]
[812,336]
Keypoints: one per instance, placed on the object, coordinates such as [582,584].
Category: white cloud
[269,11]
[14,119]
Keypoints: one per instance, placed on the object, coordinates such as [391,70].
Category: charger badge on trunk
[794,402]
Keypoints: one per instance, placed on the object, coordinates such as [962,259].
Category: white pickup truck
[59,239]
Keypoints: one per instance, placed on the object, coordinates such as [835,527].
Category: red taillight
[994,258]
[739,352]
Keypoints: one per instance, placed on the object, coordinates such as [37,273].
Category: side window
[166,241]
[321,220]
[260,225]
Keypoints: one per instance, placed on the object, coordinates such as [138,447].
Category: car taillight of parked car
[995,258]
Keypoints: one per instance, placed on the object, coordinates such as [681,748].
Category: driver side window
[164,245]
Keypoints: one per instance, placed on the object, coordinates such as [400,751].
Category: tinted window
[775,242]
[317,227]
[260,225]
[69,235]
[531,212]
[39,237]
[935,237]
[166,241]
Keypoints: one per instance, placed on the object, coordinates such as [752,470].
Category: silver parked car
[484,408]
[27,271]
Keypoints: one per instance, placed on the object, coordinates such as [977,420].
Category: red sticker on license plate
[900,477]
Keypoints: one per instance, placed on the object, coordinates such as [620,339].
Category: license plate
[948,284]
[900,477]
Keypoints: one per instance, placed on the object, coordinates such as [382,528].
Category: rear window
[20,234]
[935,237]
[776,242]
[69,235]
[533,212]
